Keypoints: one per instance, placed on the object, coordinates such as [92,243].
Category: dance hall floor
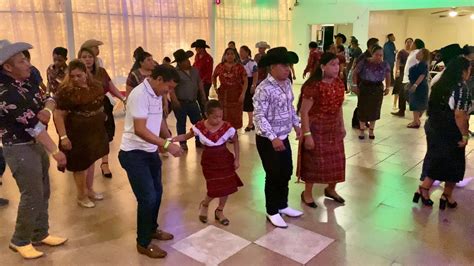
[378,225]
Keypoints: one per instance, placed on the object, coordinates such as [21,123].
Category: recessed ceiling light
[453,13]
[472,16]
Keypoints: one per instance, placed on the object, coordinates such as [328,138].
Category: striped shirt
[274,113]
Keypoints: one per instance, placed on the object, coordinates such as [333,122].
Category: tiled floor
[377,226]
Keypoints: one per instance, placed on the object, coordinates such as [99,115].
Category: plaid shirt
[55,77]
[274,112]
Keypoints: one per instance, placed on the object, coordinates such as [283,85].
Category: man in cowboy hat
[340,39]
[204,63]
[274,118]
[262,71]
[23,119]
[184,98]
[94,44]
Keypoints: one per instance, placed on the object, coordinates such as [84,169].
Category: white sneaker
[464,182]
[436,183]
[290,212]
[277,221]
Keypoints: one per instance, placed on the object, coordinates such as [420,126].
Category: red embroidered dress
[217,161]
[231,80]
[325,163]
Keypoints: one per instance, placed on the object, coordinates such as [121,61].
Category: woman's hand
[386,91]
[236,164]
[241,98]
[66,144]
[462,143]
[308,142]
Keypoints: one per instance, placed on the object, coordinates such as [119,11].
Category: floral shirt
[274,113]
[20,102]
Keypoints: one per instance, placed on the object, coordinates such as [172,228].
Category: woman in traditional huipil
[321,157]
[79,120]
[233,85]
[372,72]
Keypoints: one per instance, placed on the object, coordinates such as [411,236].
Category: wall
[310,12]
[434,31]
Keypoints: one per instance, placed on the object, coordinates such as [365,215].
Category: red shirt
[204,64]
[313,60]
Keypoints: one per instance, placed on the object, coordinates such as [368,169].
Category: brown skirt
[88,138]
[218,169]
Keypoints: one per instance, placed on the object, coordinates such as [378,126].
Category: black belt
[187,101]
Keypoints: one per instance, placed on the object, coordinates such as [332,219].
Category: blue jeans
[190,110]
[144,173]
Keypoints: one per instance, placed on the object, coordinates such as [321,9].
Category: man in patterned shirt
[56,72]
[274,118]
[23,119]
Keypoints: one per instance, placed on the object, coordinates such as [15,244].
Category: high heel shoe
[203,218]
[419,194]
[223,221]
[109,174]
[444,201]
[309,204]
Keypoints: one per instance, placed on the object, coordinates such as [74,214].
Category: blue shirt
[389,52]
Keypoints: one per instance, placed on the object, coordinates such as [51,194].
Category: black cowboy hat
[199,43]
[343,37]
[181,55]
[278,55]
[450,52]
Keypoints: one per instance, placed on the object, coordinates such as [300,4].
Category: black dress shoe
[336,198]
[309,204]
[400,114]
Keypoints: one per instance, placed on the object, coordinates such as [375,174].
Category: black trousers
[278,166]
[202,106]
[402,98]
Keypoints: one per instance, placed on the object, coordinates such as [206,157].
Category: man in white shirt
[274,117]
[411,61]
[138,154]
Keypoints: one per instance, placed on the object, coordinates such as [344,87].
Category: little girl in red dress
[218,163]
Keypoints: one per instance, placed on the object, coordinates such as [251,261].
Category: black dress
[444,159]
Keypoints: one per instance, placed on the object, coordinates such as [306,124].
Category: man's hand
[60,158]
[278,145]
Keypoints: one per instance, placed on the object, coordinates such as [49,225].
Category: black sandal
[425,201]
[224,221]
[371,136]
[444,201]
[336,198]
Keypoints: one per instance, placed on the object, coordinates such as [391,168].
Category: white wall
[310,12]
[434,31]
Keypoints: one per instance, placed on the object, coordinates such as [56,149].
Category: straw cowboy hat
[91,43]
[8,49]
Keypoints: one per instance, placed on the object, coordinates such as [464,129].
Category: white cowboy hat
[8,49]
[262,44]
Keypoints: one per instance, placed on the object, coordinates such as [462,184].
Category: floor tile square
[295,243]
[211,245]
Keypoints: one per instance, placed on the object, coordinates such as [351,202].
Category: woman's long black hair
[140,55]
[449,80]
[317,75]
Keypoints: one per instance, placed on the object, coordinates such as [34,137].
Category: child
[218,163]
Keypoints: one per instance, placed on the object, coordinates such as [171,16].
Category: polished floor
[378,225]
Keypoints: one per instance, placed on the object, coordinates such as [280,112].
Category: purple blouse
[371,71]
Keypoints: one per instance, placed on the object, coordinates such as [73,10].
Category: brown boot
[152,251]
[162,235]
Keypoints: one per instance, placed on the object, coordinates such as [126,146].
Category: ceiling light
[453,13]
[472,16]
